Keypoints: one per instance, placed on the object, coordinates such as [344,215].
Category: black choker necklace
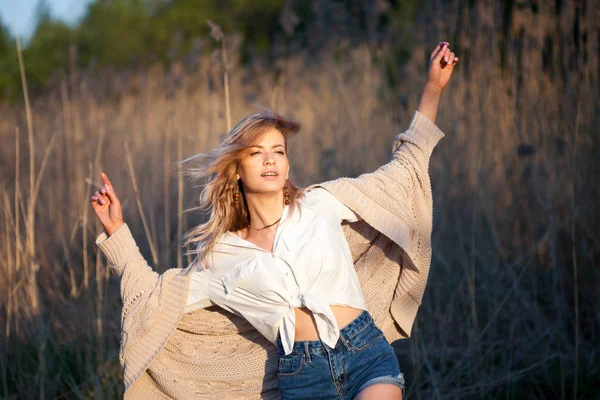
[264,227]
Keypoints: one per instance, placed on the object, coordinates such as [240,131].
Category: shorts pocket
[365,338]
[291,364]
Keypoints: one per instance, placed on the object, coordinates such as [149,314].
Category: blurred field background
[512,307]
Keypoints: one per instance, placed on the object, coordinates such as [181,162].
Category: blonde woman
[324,275]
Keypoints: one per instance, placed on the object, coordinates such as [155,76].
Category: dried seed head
[215,31]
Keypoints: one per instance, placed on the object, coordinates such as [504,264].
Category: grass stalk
[17,190]
[9,263]
[166,192]
[217,34]
[153,230]
[471,281]
[3,371]
[226,84]
[92,169]
[139,203]
[43,165]
[33,293]
[574,255]
[416,359]
[179,200]
[17,221]
[84,240]
[71,270]
[99,312]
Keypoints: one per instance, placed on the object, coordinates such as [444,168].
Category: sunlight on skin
[264,196]
[380,391]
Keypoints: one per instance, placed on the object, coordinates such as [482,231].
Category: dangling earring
[236,194]
[286,195]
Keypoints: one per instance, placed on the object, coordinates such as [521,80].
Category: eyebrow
[262,147]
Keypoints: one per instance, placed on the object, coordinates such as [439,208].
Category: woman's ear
[237,177]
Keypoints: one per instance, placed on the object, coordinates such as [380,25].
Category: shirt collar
[231,238]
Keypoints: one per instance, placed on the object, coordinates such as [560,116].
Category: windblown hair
[220,167]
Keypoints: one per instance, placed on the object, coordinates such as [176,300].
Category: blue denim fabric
[361,357]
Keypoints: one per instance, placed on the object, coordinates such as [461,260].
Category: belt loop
[344,341]
[306,352]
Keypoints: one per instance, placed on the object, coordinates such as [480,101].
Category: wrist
[432,90]
[114,228]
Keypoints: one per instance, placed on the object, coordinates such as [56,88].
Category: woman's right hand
[107,206]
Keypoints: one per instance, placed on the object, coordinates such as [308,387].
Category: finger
[95,205]
[440,54]
[100,198]
[447,55]
[451,57]
[434,56]
[438,48]
[110,193]
[106,180]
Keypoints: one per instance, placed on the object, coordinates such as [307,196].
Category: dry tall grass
[511,310]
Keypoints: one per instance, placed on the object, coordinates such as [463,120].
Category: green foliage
[134,33]
[9,67]
[177,23]
[47,52]
[113,33]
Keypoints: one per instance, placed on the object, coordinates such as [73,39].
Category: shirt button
[272,255]
[287,273]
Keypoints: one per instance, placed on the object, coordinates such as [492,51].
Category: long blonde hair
[220,167]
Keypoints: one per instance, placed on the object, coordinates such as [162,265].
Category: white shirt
[310,266]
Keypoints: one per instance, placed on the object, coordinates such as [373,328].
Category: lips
[269,174]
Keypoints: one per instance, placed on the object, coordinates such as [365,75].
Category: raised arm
[396,198]
[138,279]
[441,65]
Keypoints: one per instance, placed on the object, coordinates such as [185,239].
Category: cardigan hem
[404,311]
[137,392]
[142,352]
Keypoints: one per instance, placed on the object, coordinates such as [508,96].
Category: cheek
[249,174]
[246,167]
[286,168]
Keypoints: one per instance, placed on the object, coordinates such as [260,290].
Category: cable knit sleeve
[411,153]
[423,134]
[148,297]
[137,277]
[396,198]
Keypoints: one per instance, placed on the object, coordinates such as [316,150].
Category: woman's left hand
[441,65]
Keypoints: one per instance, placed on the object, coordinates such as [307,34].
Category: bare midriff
[306,328]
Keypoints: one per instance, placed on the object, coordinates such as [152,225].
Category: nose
[269,159]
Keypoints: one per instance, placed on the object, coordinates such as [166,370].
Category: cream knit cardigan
[213,354]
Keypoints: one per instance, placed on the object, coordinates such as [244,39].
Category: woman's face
[265,169]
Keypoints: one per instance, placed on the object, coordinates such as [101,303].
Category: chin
[272,188]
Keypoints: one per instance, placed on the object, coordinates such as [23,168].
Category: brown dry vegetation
[512,306]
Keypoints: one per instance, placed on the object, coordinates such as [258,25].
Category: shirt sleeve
[330,201]
[198,293]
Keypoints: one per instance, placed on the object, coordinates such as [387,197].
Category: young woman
[305,269]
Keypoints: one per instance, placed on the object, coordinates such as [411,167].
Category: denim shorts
[361,357]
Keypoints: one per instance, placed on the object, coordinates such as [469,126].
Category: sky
[19,15]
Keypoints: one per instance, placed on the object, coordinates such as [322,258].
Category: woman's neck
[264,209]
